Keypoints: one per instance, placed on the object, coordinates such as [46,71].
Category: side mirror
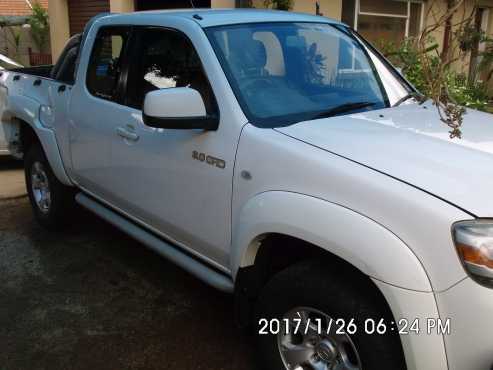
[178,108]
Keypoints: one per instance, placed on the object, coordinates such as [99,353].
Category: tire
[51,201]
[315,290]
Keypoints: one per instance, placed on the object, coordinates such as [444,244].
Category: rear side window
[166,59]
[105,66]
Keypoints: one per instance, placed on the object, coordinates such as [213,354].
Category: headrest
[255,55]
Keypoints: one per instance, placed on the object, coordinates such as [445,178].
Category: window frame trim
[122,79]
[134,52]
[409,86]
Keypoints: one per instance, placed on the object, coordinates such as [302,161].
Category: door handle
[124,133]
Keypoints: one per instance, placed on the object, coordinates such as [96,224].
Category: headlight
[46,116]
[474,242]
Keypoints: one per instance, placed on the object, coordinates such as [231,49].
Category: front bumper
[469,306]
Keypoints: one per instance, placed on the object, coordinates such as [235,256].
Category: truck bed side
[39,71]
[21,97]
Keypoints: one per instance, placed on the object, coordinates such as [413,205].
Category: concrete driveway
[12,184]
[92,298]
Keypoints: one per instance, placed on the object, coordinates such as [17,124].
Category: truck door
[158,175]
[95,109]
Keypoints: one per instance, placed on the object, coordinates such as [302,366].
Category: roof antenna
[196,16]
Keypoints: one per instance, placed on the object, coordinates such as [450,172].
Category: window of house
[167,59]
[105,65]
[389,20]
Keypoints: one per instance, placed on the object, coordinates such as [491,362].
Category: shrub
[470,95]
[40,27]
[407,57]
[279,4]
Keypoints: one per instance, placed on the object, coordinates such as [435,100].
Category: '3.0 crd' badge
[213,161]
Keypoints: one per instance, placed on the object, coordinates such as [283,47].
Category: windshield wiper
[344,108]
[419,98]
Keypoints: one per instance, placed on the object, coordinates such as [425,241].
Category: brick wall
[18,7]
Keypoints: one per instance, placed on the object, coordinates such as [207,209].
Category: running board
[167,250]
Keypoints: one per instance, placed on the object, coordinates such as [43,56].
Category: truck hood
[410,143]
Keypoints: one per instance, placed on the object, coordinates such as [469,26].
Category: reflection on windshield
[286,72]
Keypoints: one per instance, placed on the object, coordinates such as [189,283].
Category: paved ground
[92,298]
[12,182]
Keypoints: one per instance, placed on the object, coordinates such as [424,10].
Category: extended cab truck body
[280,157]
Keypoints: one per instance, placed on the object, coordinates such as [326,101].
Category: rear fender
[25,111]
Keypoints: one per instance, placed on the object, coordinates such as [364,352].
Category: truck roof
[219,17]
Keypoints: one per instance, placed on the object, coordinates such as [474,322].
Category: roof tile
[18,7]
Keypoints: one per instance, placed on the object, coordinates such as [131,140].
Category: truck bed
[25,90]
[38,71]
[28,89]
[32,82]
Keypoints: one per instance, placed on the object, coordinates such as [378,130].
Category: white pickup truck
[279,157]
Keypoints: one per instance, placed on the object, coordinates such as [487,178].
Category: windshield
[284,73]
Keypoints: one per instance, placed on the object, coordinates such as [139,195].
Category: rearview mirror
[179,108]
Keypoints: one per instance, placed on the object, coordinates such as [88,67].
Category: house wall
[488,4]
[21,54]
[436,9]
[329,8]
[223,3]
[122,6]
[432,13]
[59,26]
[58,11]
[59,18]
[80,12]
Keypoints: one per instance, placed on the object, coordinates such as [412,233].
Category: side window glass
[167,60]
[105,64]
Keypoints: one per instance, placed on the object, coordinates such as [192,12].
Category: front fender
[357,239]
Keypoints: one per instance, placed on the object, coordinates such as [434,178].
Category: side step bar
[190,264]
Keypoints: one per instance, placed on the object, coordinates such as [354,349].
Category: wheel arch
[27,136]
[30,133]
[331,230]
[264,245]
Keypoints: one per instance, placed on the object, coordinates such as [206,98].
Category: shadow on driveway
[93,298]
[8,163]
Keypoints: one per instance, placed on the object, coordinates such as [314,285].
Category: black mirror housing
[208,123]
